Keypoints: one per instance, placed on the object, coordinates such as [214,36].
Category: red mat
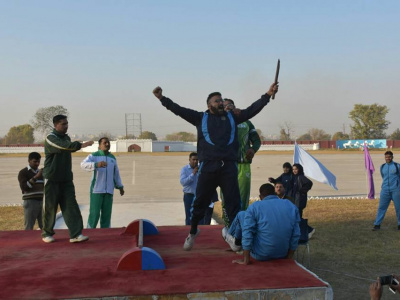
[31,269]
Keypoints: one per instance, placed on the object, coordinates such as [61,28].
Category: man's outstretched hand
[158,92]
[273,89]
[87,144]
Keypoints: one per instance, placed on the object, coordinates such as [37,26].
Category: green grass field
[344,250]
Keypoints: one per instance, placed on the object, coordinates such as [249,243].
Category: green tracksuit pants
[244,180]
[63,194]
[100,208]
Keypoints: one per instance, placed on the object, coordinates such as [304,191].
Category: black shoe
[398,227]
[378,227]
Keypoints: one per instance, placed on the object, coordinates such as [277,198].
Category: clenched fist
[273,89]
[158,92]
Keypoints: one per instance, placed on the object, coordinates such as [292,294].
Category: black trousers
[213,174]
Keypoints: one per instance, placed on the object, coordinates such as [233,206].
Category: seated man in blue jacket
[269,229]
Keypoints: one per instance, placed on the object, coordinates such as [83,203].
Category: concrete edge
[263,294]
[329,291]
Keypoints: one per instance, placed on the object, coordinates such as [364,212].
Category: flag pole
[366,173]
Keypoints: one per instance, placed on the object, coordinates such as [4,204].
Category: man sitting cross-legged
[269,229]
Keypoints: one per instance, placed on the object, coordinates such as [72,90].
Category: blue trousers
[235,229]
[187,201]
[384,202]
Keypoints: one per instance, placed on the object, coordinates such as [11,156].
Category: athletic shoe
[48,239]
[79,238]
[231,242]
[310,234]
[224,232]
[376,227]
[189,242]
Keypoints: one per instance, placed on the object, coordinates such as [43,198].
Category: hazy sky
[102,59]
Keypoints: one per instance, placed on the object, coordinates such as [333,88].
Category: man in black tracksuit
[217,148]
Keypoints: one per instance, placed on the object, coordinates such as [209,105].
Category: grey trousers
[32,212]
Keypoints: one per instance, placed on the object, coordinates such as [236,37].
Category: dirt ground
[155,177]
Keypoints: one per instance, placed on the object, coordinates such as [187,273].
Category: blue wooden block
[149,228]
[151,260]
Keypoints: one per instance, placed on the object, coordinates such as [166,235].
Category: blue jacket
[390,176]
[216,135]
[271,228]
[188,180]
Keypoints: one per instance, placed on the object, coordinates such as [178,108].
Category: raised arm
[257,106]
[58,145]
[272,180]
[190,115]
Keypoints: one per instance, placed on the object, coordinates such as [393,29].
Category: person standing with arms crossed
[59,188]
[31,183]
[217,147]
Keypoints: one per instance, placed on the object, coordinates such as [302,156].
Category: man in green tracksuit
[249,143]
[105,178]
[59,188]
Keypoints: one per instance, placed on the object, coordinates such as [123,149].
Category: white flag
[312,167]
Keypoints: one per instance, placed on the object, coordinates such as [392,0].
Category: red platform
[31,269]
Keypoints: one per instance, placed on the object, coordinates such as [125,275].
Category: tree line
[369,122]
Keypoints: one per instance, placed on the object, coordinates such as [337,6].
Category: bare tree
[260,134]
[42,121]
[286,131]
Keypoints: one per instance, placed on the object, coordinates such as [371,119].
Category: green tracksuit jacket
[58,163]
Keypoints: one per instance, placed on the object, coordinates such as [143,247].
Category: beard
[217,110]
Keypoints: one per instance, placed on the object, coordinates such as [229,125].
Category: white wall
[174,146]
[21,149]
[95,147]
[288,147]
[120,146]
[145,145]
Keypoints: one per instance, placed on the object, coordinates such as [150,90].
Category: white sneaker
[310,234]
[231,242]
[79,238]
[48,239]
[189,242]
[224,232]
